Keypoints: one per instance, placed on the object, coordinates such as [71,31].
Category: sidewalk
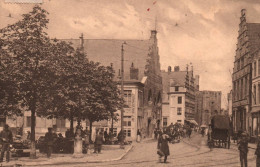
[59,159]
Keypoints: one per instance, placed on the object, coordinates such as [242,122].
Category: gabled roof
[178,79]
[107,51]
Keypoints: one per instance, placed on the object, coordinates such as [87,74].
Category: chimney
[153,35]
[169,69]
[134,72]
[187,68]
[176,68]
[81,41]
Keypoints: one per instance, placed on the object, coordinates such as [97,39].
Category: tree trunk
[33,148]
[112,125]
[90,130]
[71,124]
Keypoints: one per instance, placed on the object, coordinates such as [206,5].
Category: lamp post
[122,95]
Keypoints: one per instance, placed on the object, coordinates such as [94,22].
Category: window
[179,121]
[254,69]
[258,67]
[114,130]
[259,93]
[238,88]
[254,95]
[164,121]
[28,121]
[242,62]
[127,98]
[242,89]
[127,121]
[245,93]
[127,132]
[179,111]
[179,100]
[238,65]
[140,99]
[60,123]
[176,88]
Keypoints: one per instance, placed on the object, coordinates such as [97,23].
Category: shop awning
[192,121]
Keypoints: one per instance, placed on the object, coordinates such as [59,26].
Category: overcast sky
[201,32]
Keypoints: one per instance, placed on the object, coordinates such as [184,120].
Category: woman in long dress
[163,145]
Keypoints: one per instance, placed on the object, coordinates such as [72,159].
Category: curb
[87,161]
[115,159]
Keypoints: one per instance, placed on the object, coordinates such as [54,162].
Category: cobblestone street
[188,153]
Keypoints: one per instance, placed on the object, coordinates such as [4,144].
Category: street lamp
[122,95]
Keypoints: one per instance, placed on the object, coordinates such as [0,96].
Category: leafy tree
[8,90]
[30,50]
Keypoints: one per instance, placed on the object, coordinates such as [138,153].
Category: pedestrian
[7,138]
[98,143]
[86,143]
[156,133]
[257,153]
[106,136]
[138,136]
[163,147]
[28,135]
[49,141]
[243,149]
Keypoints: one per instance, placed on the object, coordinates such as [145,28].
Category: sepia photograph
[123,83]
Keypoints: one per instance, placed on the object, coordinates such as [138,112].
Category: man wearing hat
[7,138]
[243,149]
[257,152]
[49,141]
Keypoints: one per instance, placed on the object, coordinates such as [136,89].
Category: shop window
[179,111]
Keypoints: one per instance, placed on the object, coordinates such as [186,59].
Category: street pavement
[188,153]
[191,152]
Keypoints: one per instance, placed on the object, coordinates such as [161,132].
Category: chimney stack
[169,69]
[176,68]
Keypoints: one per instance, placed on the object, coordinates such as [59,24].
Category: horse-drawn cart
[219,132]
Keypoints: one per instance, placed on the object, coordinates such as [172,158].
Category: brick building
[248,43]
[210,102]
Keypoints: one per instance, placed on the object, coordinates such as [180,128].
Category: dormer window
[176,88]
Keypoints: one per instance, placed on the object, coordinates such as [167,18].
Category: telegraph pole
[122,95]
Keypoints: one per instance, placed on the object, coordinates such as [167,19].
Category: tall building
[178,104]
[248,42]
[255,94]
[211,105]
